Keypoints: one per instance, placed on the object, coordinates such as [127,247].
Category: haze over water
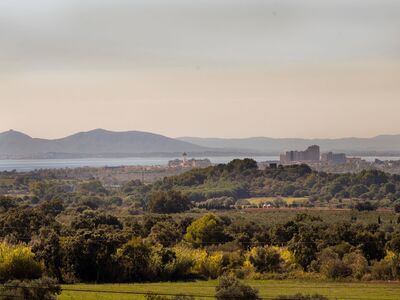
[35,164]
[25,165]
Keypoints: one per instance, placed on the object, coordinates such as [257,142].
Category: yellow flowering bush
[286,256]
[18,262]
[390,255]
[212,266]
[184,263]
[201,262]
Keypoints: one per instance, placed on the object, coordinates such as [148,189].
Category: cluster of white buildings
[312,155]
[335,158]
[189,163]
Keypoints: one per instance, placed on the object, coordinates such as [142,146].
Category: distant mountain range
[98,143]
[379,145]
[103,143]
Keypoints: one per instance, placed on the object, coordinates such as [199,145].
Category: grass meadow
[206,289]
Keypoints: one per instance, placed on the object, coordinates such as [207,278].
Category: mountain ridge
[14,144]
[105,143]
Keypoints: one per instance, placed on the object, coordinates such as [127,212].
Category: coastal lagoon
[24,165]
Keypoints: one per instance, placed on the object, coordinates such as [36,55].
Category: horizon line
[198,137]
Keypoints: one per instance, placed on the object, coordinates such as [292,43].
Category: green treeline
[242,179]
[96,247]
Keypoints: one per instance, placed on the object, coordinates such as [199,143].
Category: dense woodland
[194,226]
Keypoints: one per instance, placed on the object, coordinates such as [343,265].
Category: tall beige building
[311,154]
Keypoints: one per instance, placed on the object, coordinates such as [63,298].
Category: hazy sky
[227,68]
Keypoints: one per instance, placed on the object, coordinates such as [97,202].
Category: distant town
[189,163]
[312,155]
[319,161]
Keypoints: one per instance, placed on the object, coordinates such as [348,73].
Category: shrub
[265,259]
[182,266]
[357,190]
[218,203]
[17,262]
[6,203]
[168,202]
[198,262]
[208,229]
[166,233]
[93,186]
[394,243]
[335,268]
[357,263]
[386,269]
[330,264]
[160,261]
[213,264]
[38,289]
[303,246]
[382,270]
[365,206]
[230,287]
[134,259]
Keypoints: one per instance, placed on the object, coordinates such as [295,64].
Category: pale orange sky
[211,70]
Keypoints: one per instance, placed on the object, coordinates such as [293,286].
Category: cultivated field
[333,216]
[286,200]
[206,290]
